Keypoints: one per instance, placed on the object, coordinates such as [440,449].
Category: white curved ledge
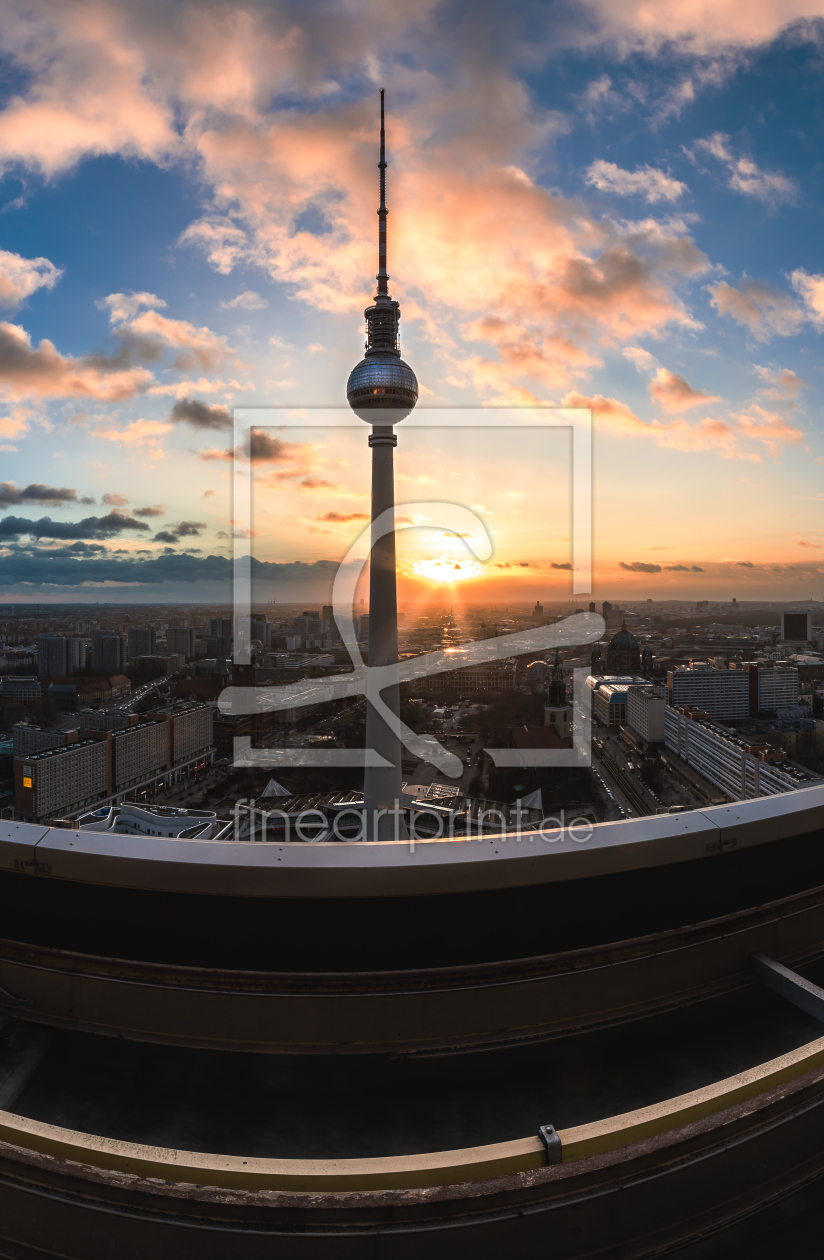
[390,869]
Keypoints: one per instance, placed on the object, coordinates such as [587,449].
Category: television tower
[382,390]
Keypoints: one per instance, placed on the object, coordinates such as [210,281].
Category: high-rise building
[777,688]
[797,627]
[30,739]
[55,781]
[137,753]
[261,630]
[110,652]
[76,656]
[142,641]
[221,628]
[645,713]
[327,614]
[52,656]
[189,731]
[720,693]
[740,766]
[181,639]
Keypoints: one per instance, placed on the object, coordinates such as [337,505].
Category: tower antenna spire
[382,277]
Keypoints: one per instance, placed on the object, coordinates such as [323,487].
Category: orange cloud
[673,393]
[26,372]
[761,309]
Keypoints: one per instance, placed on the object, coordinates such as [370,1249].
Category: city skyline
[602,206]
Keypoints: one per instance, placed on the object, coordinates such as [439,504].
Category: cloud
[761,309]
[43,372]
[745,176]
[560,566]
[639,566]
[614,416]
[246,301]
[811,290]
[148,433]
[673,393]
[90,527]
[11,494]
[184,529]
[785,384]
[157,510]
[745,564]
[769,427]
[700,29]
[683,568]
[694,568]
[280,127]
[116,500]
[200,415]
[123,306]
[802,543]
[642,359]
[342,518]
[20,277]
[646,181]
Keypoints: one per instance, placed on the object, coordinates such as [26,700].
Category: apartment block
[56,781]
[52,656]
[137,752]
[645,713]
[142,641]
[190,731]
[110,652]
[778,687]
[31,739]
[181,639]
[740,767]
[721,693]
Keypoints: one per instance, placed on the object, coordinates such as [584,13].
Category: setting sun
[447,569]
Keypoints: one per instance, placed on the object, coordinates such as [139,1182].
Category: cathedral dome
[623,656]
[624,641]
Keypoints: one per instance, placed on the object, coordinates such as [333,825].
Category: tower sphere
[382,380]
[382,389]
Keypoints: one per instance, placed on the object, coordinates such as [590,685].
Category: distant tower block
[382,390]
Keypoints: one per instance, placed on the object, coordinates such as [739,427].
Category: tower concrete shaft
[382,784]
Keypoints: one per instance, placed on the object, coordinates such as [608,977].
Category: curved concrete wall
[391,869]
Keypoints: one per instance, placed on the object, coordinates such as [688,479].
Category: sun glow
[447,569]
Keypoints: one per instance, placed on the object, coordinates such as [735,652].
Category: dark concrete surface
[350,1106]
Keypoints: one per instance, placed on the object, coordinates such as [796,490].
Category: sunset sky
[612,204]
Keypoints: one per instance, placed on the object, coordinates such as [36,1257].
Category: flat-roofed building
[28,738]
[52,656]
[142,641]
[722,693]
[137,753]
[57,781]
[645,713]
[189,731]
[742,767]
[609,696]
[778,687]
[25,690]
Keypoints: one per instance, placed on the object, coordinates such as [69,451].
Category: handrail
[438,1168]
